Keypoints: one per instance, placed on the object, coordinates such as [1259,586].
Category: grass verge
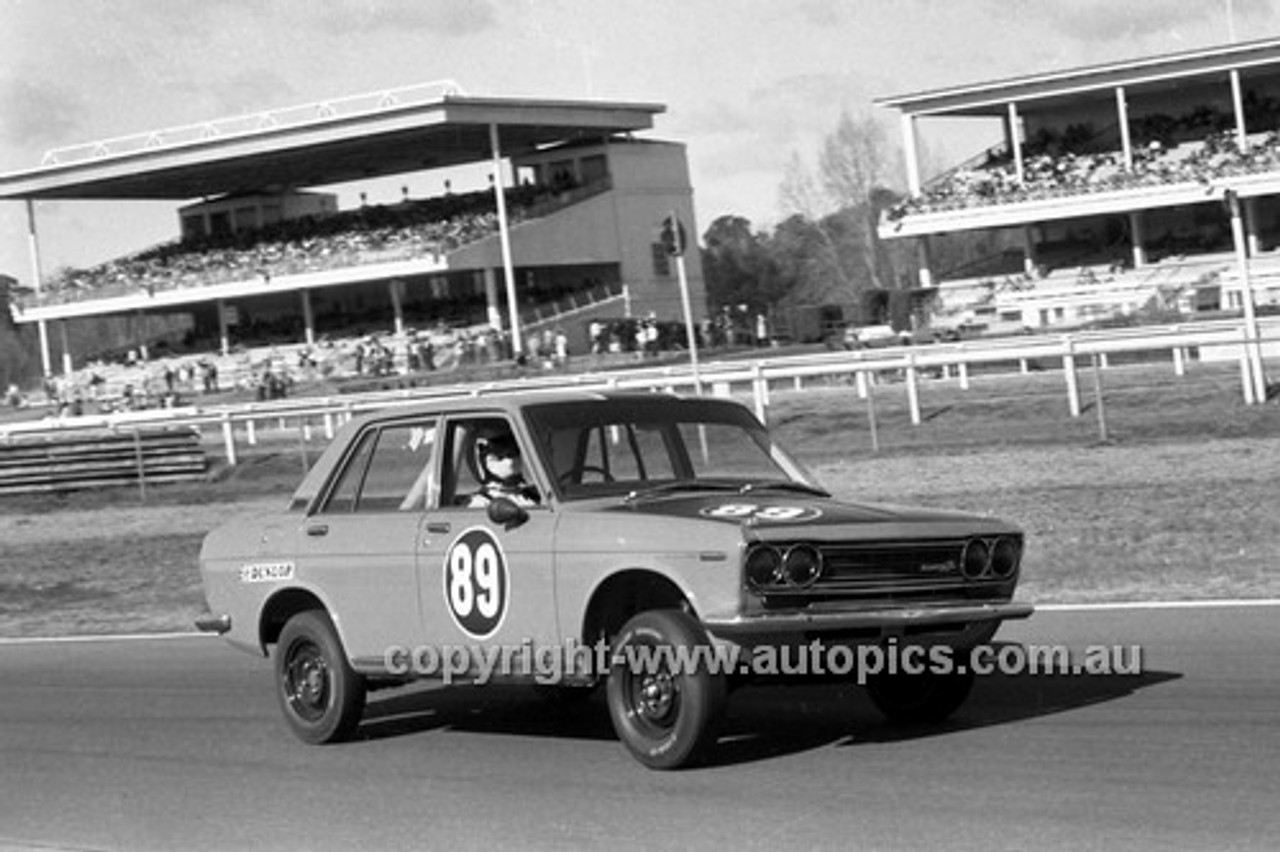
[1177,503]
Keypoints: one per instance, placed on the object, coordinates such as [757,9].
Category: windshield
[635,445]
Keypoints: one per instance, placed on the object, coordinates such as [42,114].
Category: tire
[667,719]
[926,698]
[321,697]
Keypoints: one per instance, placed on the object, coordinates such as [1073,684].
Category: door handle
[437,526]
[318,529]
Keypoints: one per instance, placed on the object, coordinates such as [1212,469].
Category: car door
[484,587]
[360,546]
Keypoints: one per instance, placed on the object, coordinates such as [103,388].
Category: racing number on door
[475,582]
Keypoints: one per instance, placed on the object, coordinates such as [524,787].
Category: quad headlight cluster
[797,566]
[990,559]
[781,568]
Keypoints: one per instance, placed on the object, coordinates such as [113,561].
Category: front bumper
[887,621]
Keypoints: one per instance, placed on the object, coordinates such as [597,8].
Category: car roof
[514,401]
[504,402]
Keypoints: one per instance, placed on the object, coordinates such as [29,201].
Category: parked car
[867,337]
[640,525]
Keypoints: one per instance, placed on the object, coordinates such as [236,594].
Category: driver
[503,473]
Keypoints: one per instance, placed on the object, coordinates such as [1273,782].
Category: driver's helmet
[498,443]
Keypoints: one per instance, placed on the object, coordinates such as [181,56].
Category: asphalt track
[176,743]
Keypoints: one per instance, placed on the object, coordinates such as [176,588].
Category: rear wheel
[665,714]
[321,696]
[919,698]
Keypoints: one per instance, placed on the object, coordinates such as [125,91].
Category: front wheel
[922,698]
[321,696]
[664,705]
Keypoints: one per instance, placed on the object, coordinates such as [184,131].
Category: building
[577,220]
[1113,189]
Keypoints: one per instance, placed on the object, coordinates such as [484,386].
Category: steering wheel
[575,473]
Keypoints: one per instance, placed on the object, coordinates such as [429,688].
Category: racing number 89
[475,582]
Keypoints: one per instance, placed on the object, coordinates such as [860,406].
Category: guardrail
[1226,339]
[92,459]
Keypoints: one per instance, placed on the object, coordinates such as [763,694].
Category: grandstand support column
[912,152]
[67,364]
[492,314]
[504,235]
[308,317]
[46,363]
[224,338]
[396,288]
[1014,134]
[925,275]
[33,250]
[1122,119]
[1251,226]
[1237,103]
[1138,238]
[1028,251]
[140,331]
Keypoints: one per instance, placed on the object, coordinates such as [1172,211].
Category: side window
[390,471]
[400,469]
[472,474]
[343,496]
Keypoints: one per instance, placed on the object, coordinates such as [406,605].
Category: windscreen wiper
[673,487]
[783,485]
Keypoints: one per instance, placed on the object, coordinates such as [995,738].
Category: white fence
[1182,343]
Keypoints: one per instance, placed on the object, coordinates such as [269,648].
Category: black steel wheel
[666,714]
[321,696]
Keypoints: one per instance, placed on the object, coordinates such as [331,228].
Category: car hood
[779,514]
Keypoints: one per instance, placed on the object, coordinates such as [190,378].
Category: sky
[748,84]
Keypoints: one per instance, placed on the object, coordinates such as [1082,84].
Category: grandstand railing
[1187,164]
[1217,340]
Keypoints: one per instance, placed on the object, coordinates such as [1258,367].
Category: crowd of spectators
[1201,147]
[731,326]
[369,234]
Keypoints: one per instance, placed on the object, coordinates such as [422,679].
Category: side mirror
[506,513]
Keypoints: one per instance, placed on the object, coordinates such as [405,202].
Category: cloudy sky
[747,83]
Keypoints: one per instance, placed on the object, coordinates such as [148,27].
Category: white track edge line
[1198,604]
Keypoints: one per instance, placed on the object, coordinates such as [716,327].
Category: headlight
[762,567]
[801,566]
[974,560]
[1004,558]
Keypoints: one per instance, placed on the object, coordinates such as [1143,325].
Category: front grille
[919,571]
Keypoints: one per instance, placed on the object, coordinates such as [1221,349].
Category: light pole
[673,240]
[1253,344]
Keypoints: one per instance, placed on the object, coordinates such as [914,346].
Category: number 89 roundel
[475,582]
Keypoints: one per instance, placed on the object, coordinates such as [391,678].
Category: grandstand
[263,258]
[1112,182]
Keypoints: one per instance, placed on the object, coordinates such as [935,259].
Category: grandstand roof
[333,142]
[992,98]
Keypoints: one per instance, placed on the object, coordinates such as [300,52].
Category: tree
[843,200]
[738,268]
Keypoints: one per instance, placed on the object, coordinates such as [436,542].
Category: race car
[662,547]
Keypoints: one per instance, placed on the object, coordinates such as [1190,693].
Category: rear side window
[391,470]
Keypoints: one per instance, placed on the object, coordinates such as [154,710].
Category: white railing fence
[311,417]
